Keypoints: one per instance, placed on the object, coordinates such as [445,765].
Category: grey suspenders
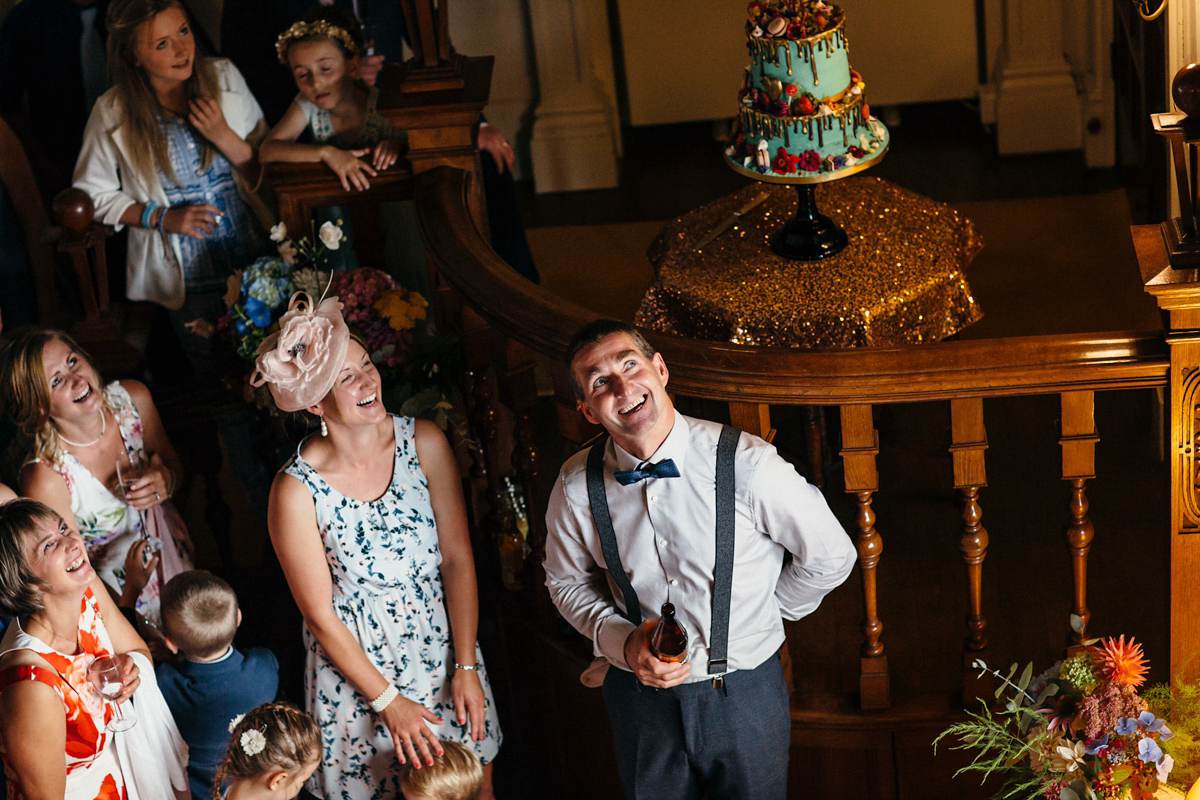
[608,538]
[722,568]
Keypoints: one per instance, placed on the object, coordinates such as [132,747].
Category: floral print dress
[384,560]
[93,771]
[108,526]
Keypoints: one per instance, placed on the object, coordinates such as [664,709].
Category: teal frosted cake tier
[802,109]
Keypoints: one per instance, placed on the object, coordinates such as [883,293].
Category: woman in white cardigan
[168,151]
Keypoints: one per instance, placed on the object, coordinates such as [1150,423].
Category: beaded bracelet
[468,667]
[384,699]
[147,210]
[162,218]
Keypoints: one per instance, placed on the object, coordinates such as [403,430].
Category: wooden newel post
[1178,294]
[437,97]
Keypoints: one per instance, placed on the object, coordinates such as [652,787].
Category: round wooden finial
[73,209]
[1185,90]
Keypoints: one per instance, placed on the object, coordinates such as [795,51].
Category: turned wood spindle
[968,443]
[860,446]
[1078,443]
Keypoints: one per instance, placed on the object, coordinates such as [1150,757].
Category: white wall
[500,28]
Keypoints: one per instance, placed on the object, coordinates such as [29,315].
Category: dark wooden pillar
[1178,294]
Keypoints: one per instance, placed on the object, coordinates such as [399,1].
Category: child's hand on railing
[386,153]
[347,166]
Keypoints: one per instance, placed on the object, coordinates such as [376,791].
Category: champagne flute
[124,481]
[107,677]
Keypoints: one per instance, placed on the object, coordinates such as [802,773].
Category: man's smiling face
[625,393]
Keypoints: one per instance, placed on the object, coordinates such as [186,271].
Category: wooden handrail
[1020,365]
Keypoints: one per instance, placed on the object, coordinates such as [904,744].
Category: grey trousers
[693,741]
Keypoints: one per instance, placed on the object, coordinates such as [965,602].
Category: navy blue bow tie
[663,469]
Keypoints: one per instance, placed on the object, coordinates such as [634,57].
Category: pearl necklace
[103,426]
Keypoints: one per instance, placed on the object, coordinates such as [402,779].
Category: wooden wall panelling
[860,446]
[969,441]
[1078,466]
[1177,292]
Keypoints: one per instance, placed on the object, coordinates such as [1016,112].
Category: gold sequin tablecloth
[900,280]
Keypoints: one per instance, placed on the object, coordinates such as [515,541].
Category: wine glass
[107,674]
[125,479]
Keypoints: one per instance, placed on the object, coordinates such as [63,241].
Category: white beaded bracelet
[384,699]
[469,668]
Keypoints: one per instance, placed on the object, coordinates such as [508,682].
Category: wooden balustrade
[749,380]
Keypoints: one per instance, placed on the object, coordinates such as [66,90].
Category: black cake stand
[809,235]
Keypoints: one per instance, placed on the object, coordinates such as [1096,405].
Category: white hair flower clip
[233,723]
[253,742]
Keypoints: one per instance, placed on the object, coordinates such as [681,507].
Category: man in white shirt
[717,723]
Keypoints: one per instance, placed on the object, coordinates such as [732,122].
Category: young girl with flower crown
[272,751]
[323,56]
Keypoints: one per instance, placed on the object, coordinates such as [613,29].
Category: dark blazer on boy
[205,696]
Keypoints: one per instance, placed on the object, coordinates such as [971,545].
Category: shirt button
[674,582]
[662,542]
[653,497]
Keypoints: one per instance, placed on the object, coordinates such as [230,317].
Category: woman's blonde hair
[139,105]
[25,391]
[272,736]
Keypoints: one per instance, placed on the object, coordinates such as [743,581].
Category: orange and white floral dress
[93,770]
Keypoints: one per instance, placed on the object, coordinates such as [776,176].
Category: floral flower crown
[303,30]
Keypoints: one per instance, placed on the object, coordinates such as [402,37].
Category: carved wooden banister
[302,188]
[1022,365]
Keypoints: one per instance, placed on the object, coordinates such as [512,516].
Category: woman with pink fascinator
[369,525]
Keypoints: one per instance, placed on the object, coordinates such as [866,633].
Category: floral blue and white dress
[387,588]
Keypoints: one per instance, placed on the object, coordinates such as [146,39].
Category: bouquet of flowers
[259,294]
[1078,731]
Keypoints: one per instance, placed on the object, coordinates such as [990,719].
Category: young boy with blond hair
[213,681]
[454,775]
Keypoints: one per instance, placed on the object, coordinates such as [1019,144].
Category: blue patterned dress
[387,588]
[238,238]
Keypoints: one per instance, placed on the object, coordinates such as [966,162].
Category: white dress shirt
[666,534]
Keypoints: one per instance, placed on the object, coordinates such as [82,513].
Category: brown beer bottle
[668,640]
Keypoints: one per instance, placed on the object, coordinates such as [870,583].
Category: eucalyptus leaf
[1026,677]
